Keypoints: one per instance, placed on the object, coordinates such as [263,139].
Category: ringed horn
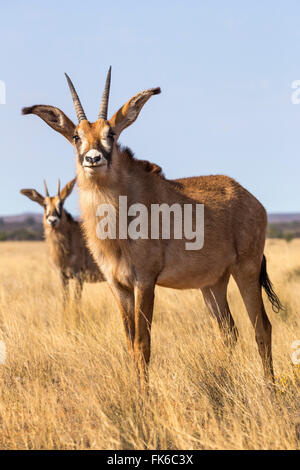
[105,97]
[46,189]
[78,106]
[58,188]
[104,101]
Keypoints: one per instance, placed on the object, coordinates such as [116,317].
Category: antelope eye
[76,138]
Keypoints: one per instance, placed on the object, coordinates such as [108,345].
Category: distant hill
[20,218]
[285,225]
[285,217]
[272,217]
[29,226]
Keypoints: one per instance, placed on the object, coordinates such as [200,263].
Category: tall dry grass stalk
[68,382]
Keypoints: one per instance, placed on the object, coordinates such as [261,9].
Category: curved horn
[46,189]
[58,187]
[78,106]
[105,97]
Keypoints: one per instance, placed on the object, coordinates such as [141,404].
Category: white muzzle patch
[93,158]
[52,220]
[93,153]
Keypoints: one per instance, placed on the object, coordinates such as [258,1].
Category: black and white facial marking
[53,212]
[94,145]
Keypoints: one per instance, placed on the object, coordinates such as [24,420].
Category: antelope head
[94,142]
[53,206]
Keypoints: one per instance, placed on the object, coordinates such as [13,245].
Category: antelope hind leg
[215,298]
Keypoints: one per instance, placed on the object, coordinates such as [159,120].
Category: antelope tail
[267,285]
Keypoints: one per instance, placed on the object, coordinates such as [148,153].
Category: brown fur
[235,230]
[65,242]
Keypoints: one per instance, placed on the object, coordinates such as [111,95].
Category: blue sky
[225,69]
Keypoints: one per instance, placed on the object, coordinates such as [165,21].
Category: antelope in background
[235,229]
[66,245]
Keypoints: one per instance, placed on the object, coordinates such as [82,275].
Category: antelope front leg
[144,299]
[125,300]
[65,288]
[78,289]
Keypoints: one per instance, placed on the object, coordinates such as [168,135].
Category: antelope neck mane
[68,216]
[147,173]
[133,163]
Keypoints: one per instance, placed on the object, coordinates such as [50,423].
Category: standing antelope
[67,248]
[234,227]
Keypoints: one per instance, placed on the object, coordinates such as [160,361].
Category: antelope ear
[66,191]
[130,111]
[33,195]
[55,118]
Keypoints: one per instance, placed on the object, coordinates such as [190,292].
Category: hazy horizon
[77,214]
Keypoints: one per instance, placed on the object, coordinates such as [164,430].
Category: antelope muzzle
[93,159]
[52,220]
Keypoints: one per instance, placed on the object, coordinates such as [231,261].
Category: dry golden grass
[68,382]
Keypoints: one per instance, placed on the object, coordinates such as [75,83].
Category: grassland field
[69,383]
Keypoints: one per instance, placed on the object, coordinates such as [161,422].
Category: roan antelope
[235,228]
[64,237]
